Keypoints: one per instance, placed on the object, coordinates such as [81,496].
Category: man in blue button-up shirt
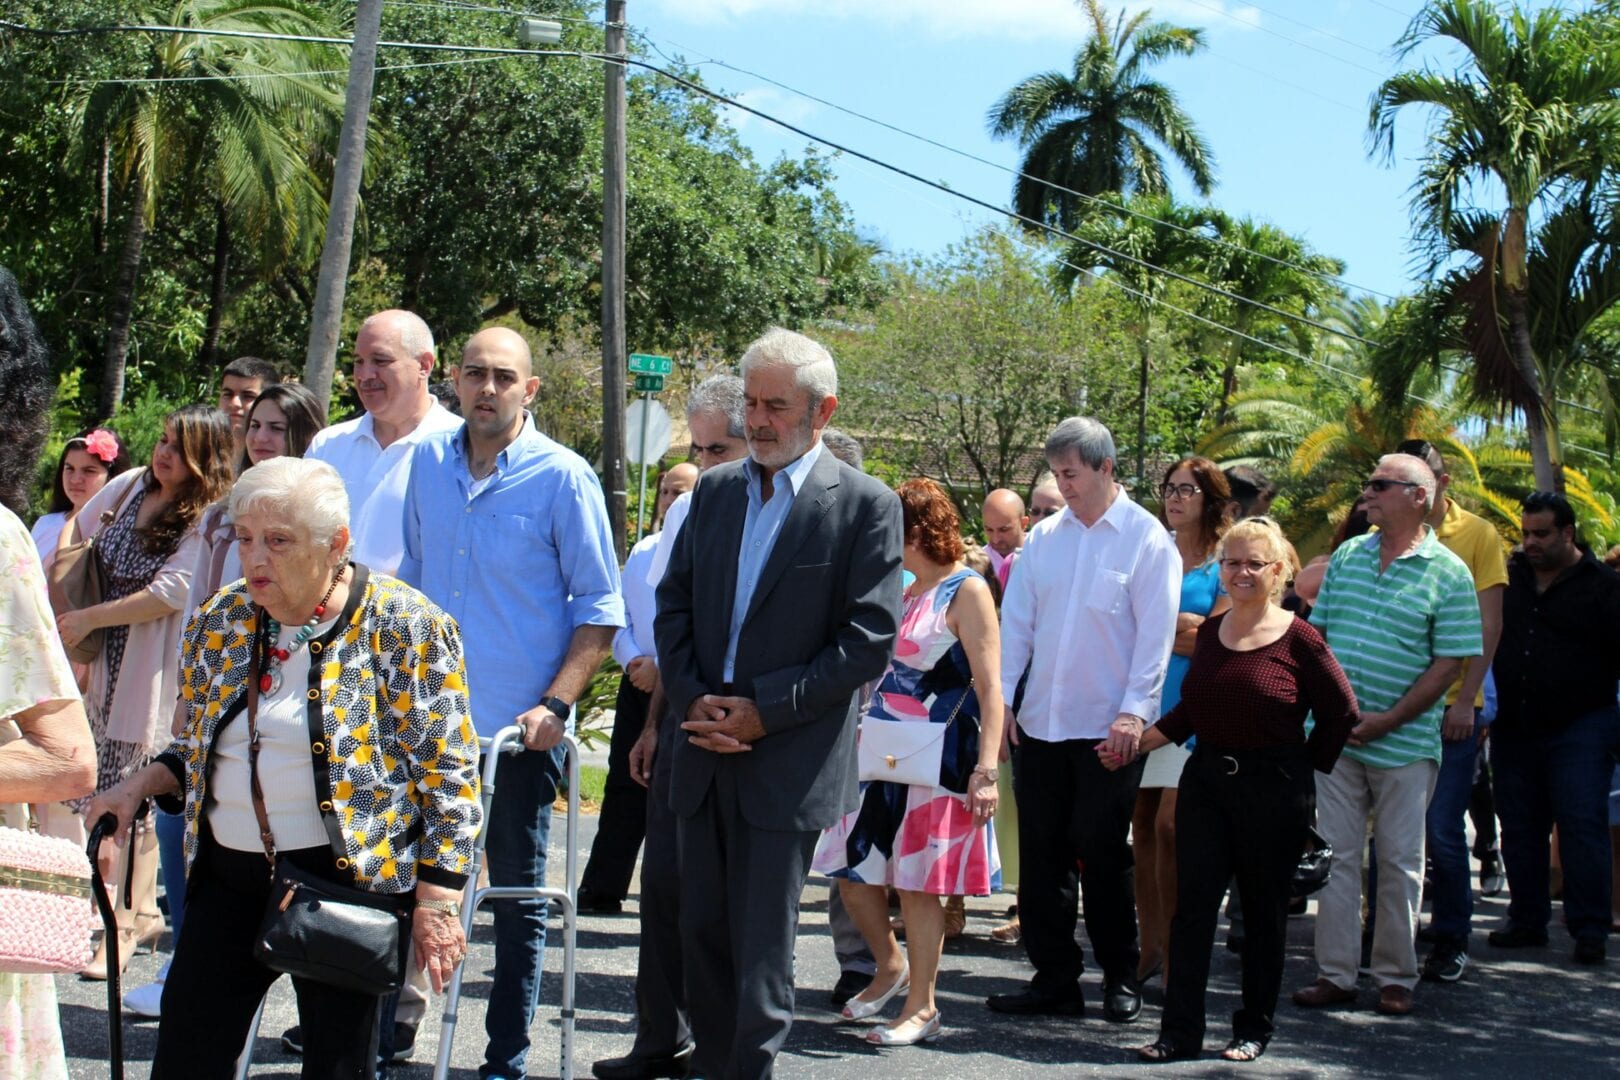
[508,532]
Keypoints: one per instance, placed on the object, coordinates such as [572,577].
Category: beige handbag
[74,581]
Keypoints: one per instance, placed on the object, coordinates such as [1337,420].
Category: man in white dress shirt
[622,824]
[393,362]
[1091,613]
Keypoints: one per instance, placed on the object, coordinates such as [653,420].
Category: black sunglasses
[1381,485]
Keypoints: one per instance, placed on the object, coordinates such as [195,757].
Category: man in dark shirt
[1557,728]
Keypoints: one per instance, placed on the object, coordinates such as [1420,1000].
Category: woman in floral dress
[46,752]
[144,523]
[927,841]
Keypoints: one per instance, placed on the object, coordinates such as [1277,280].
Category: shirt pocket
[1109,592]
[519,540]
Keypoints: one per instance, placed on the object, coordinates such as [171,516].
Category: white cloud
[779,103]
[1005,19]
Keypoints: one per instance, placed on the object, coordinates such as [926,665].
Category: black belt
[1232,762]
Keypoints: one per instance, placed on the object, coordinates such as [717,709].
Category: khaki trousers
[1397,800]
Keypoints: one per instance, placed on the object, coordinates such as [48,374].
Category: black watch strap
[558,706]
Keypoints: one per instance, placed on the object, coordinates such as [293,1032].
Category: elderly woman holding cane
[1248,791]
[328,756]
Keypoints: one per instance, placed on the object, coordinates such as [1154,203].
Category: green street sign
[649,384]
[644,364]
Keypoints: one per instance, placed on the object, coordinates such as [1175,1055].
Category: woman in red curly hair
[926,840]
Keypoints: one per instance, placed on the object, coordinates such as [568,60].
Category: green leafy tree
[1130,248]
[1100,127]
[245,114]
[1526,120]
[963,370]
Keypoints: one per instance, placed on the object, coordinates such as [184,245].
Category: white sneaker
[147,1001]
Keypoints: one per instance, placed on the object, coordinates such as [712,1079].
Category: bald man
[507,531]
[1004,525]
[393,360]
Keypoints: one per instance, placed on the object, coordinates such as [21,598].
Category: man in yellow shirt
[1473,540]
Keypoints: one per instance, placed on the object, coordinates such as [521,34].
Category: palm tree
[247,115]
[1130,239]
[1528,119]
[1263,264]
[1095,129]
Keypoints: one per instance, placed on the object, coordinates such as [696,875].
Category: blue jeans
[1560,779]
[171,835]
[1451,891]
[519,825]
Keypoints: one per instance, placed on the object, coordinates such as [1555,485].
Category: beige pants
[1397,800]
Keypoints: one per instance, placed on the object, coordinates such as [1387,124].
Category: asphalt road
[1524,1013]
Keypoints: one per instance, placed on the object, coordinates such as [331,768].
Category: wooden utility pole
[614,353]
[327,319]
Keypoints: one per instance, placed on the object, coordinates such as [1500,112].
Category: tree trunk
[123,305]
[327,318]
[208,356]
[1549,473]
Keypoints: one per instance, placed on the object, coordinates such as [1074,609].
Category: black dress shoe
[631,1067]
[1033,1002]
[1590,950]
[1517,937]
[848,985]
[1122,1002]
[594,903]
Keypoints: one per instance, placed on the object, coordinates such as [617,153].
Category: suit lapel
[809,507]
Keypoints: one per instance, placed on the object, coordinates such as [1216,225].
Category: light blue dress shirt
[761,526]
[519,564]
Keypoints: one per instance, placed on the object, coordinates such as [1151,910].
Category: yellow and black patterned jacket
[391,740]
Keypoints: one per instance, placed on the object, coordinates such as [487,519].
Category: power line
[1313,29]
[1110,207]
[277,74]
[1291,40]
[698,88]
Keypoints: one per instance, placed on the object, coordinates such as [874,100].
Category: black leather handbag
[318,929]
[1315,866]
[344,937]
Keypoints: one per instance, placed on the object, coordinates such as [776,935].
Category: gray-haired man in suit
[781,599]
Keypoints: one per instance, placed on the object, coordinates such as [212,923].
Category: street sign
[645,364]
[649,384]
[646,431]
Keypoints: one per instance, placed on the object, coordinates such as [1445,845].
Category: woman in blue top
[1195,507]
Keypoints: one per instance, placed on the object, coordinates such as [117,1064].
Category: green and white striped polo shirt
[1387,628]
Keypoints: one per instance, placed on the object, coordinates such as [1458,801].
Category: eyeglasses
[1038,512]
[1253,566]
[1183,491]
[1380,484]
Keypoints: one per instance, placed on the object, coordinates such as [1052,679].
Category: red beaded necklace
[277,654]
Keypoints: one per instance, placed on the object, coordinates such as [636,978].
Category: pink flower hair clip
[103,444]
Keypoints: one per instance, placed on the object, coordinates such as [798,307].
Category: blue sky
[1281,94]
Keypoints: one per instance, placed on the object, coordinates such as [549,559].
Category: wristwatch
[558,707]
[451,908]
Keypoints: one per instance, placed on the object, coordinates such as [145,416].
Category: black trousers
[740,889]
[215,984]
[1241,815]
[623,822]
[662,1026]
[1074,822]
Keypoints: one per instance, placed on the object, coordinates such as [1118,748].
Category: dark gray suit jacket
[821,624]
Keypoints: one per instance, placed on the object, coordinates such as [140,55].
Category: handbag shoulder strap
[266,837]
[110,516]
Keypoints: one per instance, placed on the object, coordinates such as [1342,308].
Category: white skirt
[1164,767]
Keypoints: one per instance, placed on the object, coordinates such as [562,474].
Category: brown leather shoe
[1321,993]
[1394,1001]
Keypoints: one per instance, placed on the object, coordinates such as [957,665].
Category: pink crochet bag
[46,914]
